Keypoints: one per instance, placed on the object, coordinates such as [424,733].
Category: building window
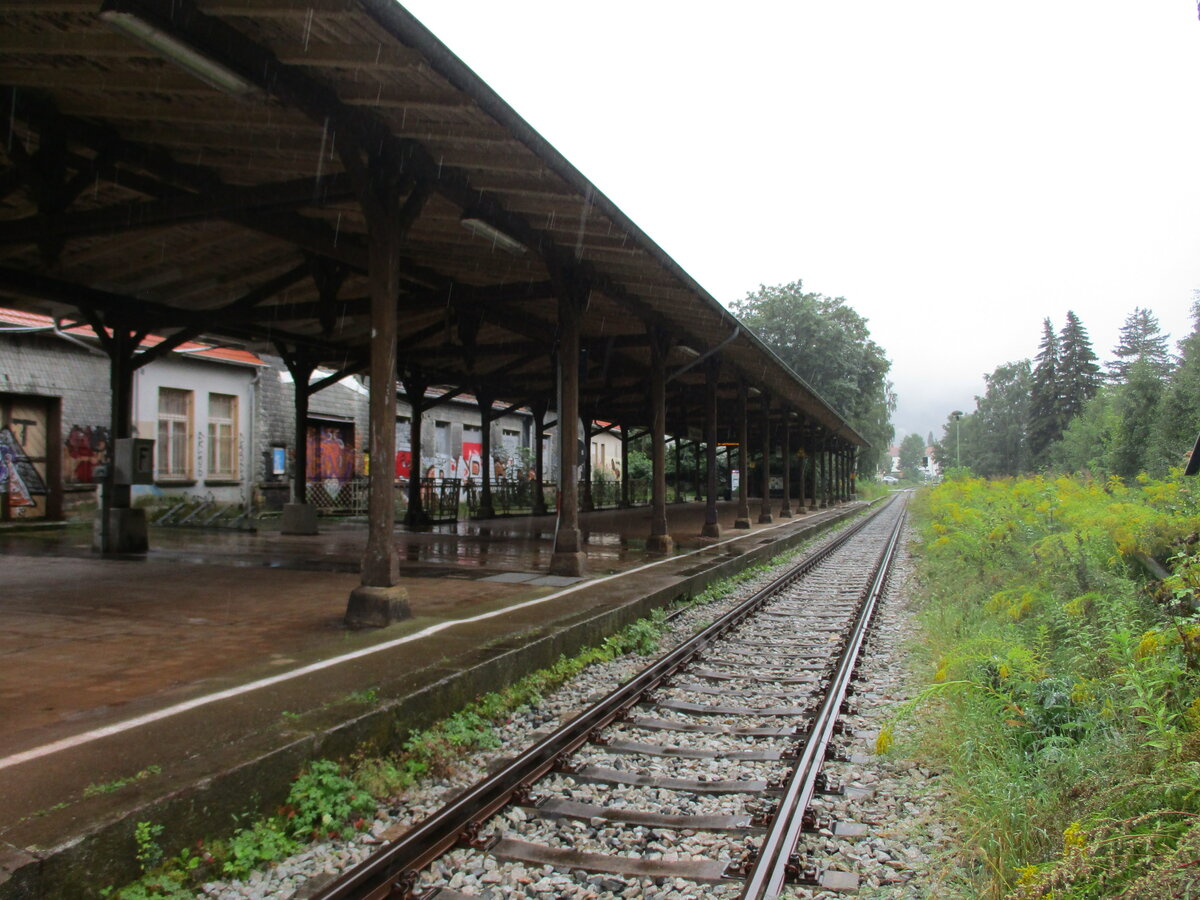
[174,433]
[441,431]
[511,439]
[222,437]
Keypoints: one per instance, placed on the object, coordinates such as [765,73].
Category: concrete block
[298,518]
[126,531]
[376,607]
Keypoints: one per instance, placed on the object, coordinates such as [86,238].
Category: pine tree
[1078,372]
[1141,340]
[1178,419]
[1045,426]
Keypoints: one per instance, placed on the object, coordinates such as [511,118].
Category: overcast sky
[956,170]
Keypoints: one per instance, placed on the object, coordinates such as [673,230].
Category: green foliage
[829,345]
[323,802]
[1064,695]
[146,835]
[912,449]
[111,787]
[266,841]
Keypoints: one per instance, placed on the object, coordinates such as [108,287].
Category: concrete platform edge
[103,853]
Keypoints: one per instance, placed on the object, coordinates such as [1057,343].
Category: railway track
[697,775]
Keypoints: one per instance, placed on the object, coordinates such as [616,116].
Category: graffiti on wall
[19,480]
[86,449]
[330,453]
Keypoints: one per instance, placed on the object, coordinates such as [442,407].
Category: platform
[159,687]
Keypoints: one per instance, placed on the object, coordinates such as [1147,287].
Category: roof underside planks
[132,187]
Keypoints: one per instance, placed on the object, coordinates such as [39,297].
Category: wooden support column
[785,508]
[696,470]
[826,478]
[742,519]
[678,471]
[485,397]
[660,537]
[587,500]
[378,600]
[414,392]
[538,408]
[764,512]
[119,528]
[625,499]
[711,528]
[569,558]
[298,516]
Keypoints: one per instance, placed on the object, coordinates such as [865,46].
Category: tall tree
[828,345]
[1178,417]
[912,451]
[1141,339]
[1002,445]
[1079,373]
[1045,425]
[1136,407]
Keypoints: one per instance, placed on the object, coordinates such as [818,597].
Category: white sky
[956,169]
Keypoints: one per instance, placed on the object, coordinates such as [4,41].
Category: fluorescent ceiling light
[484,229]
[177,51]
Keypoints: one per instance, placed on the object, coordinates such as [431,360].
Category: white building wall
[200,377]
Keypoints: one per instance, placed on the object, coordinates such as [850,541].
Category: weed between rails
[1064,699]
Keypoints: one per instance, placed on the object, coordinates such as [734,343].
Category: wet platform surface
[89,645]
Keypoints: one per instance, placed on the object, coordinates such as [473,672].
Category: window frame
[164,470]
[212,472]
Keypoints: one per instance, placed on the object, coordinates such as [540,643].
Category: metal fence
[440,498]
[511,496]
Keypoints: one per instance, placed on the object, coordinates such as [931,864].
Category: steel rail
[393,871]
[774,864]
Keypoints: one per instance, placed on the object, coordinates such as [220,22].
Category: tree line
[1063,411]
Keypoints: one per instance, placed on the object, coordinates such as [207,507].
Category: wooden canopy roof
[137,190]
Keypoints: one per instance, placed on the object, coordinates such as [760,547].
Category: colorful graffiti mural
[20,481]
[86,450]
[330,453]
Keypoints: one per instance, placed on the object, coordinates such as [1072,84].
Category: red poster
[472,455]
[403,463]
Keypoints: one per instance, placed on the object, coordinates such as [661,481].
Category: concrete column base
[741,522]
[710,530]
[785,513]
[660,543]
[485,512]
[765,519]
[298,518]
[126,531]
[376,607]
[571,565]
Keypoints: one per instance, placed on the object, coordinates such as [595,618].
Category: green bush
[1064,699]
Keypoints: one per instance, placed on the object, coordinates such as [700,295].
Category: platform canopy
[186,166]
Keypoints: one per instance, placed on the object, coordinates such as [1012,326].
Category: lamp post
[957,416]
